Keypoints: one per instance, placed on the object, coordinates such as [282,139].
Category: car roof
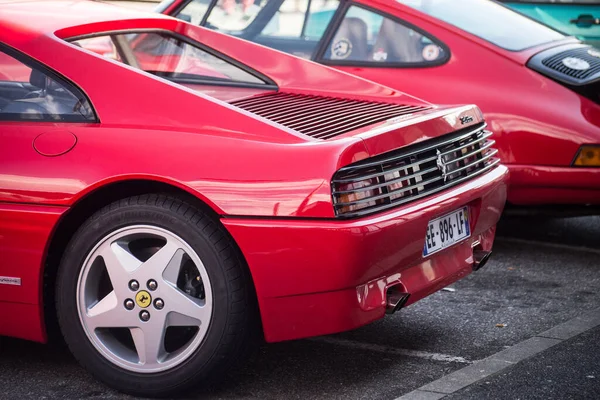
[39,17]
[42,29]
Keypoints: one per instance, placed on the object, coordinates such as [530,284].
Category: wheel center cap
[143,299]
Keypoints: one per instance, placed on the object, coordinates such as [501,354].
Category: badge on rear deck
[594,52]
[576,63]
[466,119]
[9,280]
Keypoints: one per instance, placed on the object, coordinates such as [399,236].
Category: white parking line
[391,350]
[548,244]
[498,362]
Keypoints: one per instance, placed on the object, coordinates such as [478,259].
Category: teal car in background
[579,18]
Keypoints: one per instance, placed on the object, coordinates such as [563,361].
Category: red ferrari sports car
[167,198]
[538,89]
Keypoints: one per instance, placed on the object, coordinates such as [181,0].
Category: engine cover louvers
[322,117]
[574,64]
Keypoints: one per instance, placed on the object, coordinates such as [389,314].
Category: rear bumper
[537,185]
[316,277]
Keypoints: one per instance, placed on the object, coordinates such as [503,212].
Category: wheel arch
[82,209]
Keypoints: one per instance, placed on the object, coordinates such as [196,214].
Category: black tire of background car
[234,326]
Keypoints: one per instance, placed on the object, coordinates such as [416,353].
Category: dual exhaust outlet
[396,298]
[480,258]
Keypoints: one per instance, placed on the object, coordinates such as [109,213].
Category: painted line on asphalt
[548,244]
[391,350]
[504,359]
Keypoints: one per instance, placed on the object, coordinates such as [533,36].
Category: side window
[194,11]
[28,93]
[294,20]
[365,36]
[319,18]
[234,15]
[287,21]
[297,26]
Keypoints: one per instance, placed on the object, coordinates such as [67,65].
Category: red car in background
[162,214]
[539,90]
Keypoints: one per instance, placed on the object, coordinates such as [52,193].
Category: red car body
[540,120]
[268,185]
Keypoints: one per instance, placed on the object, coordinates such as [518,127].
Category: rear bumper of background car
[316,277]
[539,185]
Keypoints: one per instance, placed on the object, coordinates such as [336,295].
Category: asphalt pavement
[543,277]
[568,371]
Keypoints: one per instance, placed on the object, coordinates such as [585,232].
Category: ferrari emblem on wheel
[143,299]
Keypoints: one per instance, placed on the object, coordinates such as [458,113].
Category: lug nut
[152,285]
[129,304]
[144,315]
[134,285]
[159,304]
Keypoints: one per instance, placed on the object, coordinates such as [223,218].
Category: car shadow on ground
[576,231]
[525,287]
[301,369]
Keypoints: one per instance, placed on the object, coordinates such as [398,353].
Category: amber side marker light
[588,156]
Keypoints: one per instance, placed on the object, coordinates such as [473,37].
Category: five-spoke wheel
[153,296]
[166,315]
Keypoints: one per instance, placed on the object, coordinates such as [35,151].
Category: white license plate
[447,230]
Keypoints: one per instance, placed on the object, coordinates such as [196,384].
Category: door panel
[33,101]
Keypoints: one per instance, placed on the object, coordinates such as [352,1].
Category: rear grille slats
[390,182]
[483,138]
[358,177]
[408,174]
[486,146]
[395,191]
[323,117]
[419,164]
[396,203]
[477,162]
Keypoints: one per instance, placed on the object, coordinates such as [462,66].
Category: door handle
[585,21]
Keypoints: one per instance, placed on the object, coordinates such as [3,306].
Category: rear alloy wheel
[149,296]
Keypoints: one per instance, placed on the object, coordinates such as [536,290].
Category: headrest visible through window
[38,79]
[350,41]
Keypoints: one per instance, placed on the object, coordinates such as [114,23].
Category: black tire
[234,319]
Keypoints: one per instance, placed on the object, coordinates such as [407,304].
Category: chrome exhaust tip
[395,300]
[481,258]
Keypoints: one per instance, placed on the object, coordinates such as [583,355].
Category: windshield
[490,21]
